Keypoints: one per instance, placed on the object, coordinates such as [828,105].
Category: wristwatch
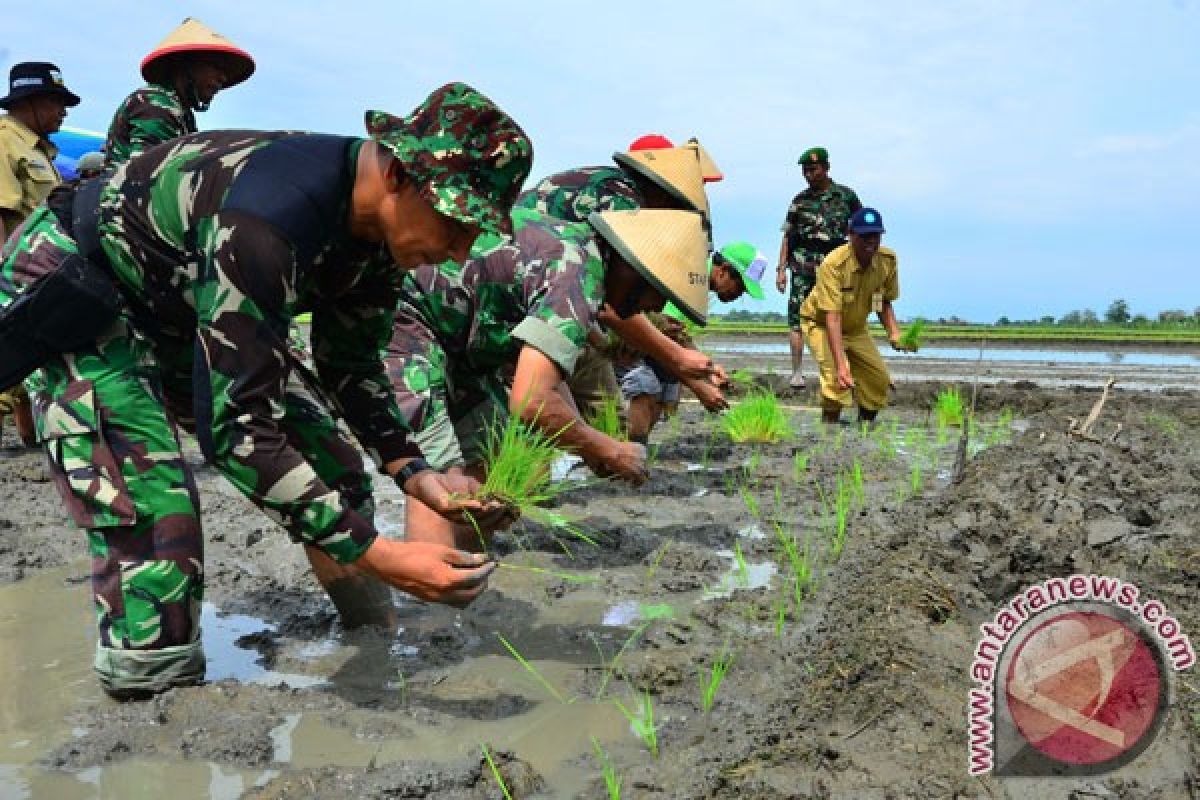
[409,470]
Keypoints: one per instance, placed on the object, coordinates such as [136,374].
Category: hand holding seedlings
[623,460]
[454,495]
[428,571]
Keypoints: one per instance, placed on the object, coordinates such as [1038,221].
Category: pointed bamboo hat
[193,36]
[675,170]
[669,248]
[708,168]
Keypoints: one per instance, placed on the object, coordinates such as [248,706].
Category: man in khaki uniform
[37,104]
[854,279]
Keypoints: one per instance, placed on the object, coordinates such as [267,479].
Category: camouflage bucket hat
[467,156]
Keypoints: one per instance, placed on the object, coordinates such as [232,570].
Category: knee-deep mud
[855,686]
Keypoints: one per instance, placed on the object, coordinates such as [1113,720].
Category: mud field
[853,685]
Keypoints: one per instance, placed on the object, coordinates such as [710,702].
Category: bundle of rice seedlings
[949,408]
[911,337]
[607,418]
[757,418]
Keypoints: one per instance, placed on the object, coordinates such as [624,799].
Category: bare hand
[428,571]
[719,378]
[693,365]
[844,378]
[452,495]
[627,461]
[709,395]
[903,347]
[781,281]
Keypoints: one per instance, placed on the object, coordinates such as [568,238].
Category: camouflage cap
[814,155]
[468,157]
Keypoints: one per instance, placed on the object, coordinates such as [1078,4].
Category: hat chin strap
[191,98]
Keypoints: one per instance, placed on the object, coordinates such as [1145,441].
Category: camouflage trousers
[803,282]
[115,456]
[449,404]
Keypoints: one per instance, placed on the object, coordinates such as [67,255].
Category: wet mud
[856,689]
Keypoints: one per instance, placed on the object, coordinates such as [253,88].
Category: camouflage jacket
[541,288]
[576,193]
[217,241]
[816,224]
[151,115]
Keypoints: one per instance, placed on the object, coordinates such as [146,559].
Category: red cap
[651,141]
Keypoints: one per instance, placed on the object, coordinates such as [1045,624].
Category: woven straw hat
[668,248]
[675,170]
[193,36]
[708,168]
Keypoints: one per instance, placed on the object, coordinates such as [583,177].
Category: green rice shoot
[750,500]
[911,337]
[532,670]
[566,577]
[743,569]
[607,418]
[914,478]
[742,379]
[757,418]
[612,781]
[710,684]
[799,465]
[948,407]
[641,719]
[496,772]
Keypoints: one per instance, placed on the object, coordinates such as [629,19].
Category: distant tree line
[1118,313]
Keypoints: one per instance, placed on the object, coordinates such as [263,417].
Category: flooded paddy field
[840,574]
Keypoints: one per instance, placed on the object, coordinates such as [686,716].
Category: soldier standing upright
[37,103]
[183,75]
[211,244]
[815,225]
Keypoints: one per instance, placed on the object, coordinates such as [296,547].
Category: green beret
[814,155]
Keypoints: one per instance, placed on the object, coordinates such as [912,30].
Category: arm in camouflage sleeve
[561,300]
[242,368]
[149,120]
[349,335]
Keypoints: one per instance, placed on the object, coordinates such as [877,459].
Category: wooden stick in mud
[960,458]
[1084,431]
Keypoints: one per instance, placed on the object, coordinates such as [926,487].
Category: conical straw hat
[708,168]
[675,170]
[669,248]
[193,36]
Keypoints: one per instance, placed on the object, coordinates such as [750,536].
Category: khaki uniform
[27,174]
[843,285]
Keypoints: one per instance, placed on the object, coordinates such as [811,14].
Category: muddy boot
[866,418]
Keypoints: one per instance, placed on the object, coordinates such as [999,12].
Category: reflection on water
[1147,358]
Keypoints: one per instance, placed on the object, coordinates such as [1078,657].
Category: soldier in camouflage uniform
[215,241]
[183,75]
[575,194]
[814,226]
[519,313]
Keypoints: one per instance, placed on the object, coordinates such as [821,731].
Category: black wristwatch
[410,469]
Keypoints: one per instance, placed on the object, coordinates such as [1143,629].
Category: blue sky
[1029,158]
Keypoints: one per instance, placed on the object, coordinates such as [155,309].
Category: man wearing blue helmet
[854,280]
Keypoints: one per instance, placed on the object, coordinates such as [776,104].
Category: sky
[1028,158]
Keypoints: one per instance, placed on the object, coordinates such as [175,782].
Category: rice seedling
[612,781]
[641,719]
[948,407]
[607,418]
[742,379]
[757,418]
[780,616]
[658,557]
[518,458]
[532,670]
[743,569]
[799,563]
[487,754]
[799,465]
[856,479]
[710,684]
[839,507]
[749,499]
[566,577]
[610,667]
[653,611]
[914,478]
[887,445]
[911,337]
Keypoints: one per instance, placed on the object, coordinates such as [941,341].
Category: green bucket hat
[468,157]
[749,263]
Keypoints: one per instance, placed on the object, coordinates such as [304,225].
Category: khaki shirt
[27,171]
[842,285]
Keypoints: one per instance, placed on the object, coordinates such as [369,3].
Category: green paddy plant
[739,560]
[948,407]
[910,339]
[799,465]
[857,482]
[518,459]
[612,781]
[914,478]
[750,500]
[532,670]
[759,417]
[641,719]
[838,507]
[780,615]
[742,378]
[798,562]
[487,754]
[606,418]
[710,683]
[612,667]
